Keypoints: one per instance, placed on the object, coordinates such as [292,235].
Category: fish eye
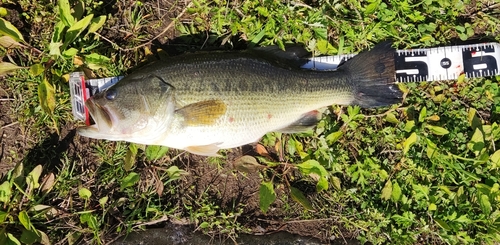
[111,94]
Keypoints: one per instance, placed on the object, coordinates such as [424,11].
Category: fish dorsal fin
[307,121]
[293,56]
[202,113]
[204,150]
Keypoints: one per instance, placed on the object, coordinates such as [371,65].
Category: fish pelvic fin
[306,122]
[202,113]
[204,150]
[373,73]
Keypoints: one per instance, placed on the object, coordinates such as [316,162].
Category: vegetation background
[420,172]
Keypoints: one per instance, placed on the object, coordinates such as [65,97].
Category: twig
[153,222]
[6,99]
[8,125]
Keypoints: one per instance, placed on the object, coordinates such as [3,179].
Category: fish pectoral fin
[204,150]
[306,122]
[202,113]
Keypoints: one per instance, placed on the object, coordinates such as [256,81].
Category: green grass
[423,171]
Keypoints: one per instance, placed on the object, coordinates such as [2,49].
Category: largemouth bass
[217,100]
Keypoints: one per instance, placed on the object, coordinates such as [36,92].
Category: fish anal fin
[307,121]
[202,113]
[204,150]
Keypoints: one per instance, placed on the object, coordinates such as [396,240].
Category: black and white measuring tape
[412,65]
[432,64]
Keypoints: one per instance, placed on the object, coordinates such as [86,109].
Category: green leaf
[3,217]
[370,9]
[24,219]
[432,150]
[33,177]
[485,204]
[409,142]
[5,192]
[155,152]
[299,197]
[36,69]
[131,179]
[463,219]
[89,219]
[473,119]
[46,96]
[3,12]
[175,173]
[84,193]
[432,207]
[58,33]
[54,49]
[409,126]
[204,225]
[7,29]
[324,47]
[396,192]
[130,157]
[386,191]
[437,130]
[257,38]
[103,201]
[29,237]
[7,67]
[390,117]
[75,30]
[12,240]
[422,115]
[78,10]
[97,23]
[266,195]
[65,13]
[97,59]
[335,182]
[314,167]
[321,33]
[70,53]
[495,158]
[476,144]
[333,137]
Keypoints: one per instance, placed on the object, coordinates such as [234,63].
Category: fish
[204,102]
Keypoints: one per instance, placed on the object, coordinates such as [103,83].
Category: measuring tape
[432,64]
[412,65]
[81,90]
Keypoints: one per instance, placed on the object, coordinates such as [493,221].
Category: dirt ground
[226,186]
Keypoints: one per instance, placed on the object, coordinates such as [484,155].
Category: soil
[11,140]
[224,185]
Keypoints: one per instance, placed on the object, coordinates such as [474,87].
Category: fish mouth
[102,119]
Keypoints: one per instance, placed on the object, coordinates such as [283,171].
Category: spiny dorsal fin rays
[202,113]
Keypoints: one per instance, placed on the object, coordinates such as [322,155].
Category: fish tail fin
[374,76]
